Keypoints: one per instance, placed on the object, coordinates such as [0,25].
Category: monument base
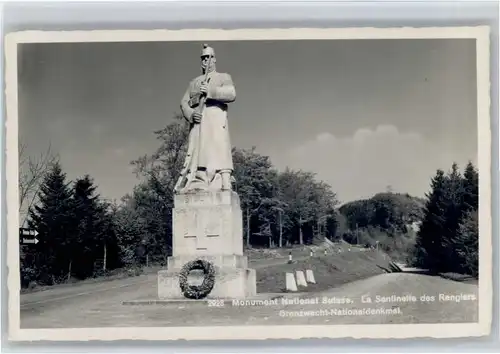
[208,225]
[230,283]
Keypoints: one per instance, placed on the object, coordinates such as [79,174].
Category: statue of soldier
[209,163]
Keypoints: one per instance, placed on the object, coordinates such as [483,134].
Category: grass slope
[329,270]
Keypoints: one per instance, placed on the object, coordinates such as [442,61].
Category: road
[101,305]
[52,297]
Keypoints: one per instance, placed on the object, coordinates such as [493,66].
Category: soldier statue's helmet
[207,50]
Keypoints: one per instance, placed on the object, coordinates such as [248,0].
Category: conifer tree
[453,216]
[466,244]
[471,188]
[447,240]
[90,218]
[428,248]
[53,218]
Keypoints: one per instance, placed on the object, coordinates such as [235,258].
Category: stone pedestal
[230,283]
[208,225]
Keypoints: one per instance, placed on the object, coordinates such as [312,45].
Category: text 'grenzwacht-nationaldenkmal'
[341,312]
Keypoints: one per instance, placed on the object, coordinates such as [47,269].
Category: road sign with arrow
[27,236]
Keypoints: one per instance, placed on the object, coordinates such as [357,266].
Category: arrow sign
[28,236]
[25,232]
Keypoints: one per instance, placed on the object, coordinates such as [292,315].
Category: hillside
[389,220]
[340,264]
[329,271]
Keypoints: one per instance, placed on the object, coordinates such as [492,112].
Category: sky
[362,114]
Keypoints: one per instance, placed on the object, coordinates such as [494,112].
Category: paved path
[54,297]
[103,307]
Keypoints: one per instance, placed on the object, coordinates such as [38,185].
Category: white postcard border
[440,330]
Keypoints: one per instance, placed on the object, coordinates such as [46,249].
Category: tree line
[81,235]
[75,230]
[387,221]
[448,239]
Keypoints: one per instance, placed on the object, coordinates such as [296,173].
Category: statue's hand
[204,87]
[196,117]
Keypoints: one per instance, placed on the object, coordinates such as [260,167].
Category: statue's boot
[201,176]
[200,180]
[226,180]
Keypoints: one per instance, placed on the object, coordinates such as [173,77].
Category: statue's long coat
[213,144]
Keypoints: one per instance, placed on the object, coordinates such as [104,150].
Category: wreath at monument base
[197,291]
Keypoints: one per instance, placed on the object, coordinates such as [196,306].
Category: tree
[325,201]
[93,232]
[428,249]
[163,167]
[308,204]
[336,226]
[153,198]
[32,170]
[454,200]
[107,244]
[277,208]
[129,227]
[54,218]
[466,244]
[358,213]
[447,232]
[155,212]
[254,183]
[289,188]
[471,188]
